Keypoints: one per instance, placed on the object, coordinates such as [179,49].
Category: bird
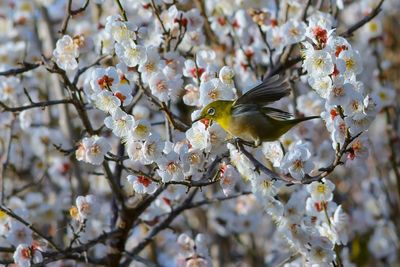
[249,118]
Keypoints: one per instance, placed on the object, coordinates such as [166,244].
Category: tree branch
[35,105]
[363,21]
[26,66]
[71,13]
[10,213]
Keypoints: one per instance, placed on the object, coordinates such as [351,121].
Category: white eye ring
[211,111]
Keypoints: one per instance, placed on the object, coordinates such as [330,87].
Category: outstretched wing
[277,114]
[270,90]
[253,109]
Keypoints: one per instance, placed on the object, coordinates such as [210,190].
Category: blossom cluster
[101,163]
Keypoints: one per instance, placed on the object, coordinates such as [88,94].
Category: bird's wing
[277,114]
[239,110]
[250,109]
[270,90]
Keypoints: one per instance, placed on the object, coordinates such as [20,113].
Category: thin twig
[121,10]
[70,14]
[26,66]
[162,225]
[175,123]
[35,105]
[84,69]
[307,179]
[186,205]
[13,215]
[363,21]
[75,252]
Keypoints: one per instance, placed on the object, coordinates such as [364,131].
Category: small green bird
[249,118]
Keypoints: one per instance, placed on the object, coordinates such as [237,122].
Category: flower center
[8,90]
[120,96]
[350,64]
[338,91]
[26,253]
[213,94]
[105,82]
[143,180]
[194,158]
[21,234]
[149,67]
[85,208]
[319,63]
[321,188]
[172,167]
[161,86]
[132,53]
[298,164]
[294,32]
[95,150]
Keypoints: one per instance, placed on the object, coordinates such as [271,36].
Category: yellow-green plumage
[248,117]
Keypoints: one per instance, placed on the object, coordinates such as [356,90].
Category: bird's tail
[295,121]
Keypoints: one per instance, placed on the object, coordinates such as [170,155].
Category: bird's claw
[239,141]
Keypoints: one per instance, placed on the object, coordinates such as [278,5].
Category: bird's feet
[238,141]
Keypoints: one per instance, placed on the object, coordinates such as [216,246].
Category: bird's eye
[211,111]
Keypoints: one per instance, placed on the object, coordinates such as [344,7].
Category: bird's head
[216,111]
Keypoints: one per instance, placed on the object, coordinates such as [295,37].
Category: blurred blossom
[24,255]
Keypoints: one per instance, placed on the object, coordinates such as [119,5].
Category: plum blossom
[10,87]
[152,148]
[24,255]
[321,251]
[194,252]
[384,241]
[198,136]
[170,168]
[119,30]
[192,95]
[160,86]
[295,31]
[151,64]
[120,123]
[142,184]
[86,207]
[192,160]
[226,75]
[273,152]
[229,176]
[297,161]
[321,191]
[349,62]
[93,149]
[318,63]
[131,53]
[214,90]
[66,52]
[19,234]
[106,101]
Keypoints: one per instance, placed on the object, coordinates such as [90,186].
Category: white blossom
[92,150]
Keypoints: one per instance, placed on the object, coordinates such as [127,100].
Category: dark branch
[363,21]
[70,13]
[10,213]
[26,66]
[35,105]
